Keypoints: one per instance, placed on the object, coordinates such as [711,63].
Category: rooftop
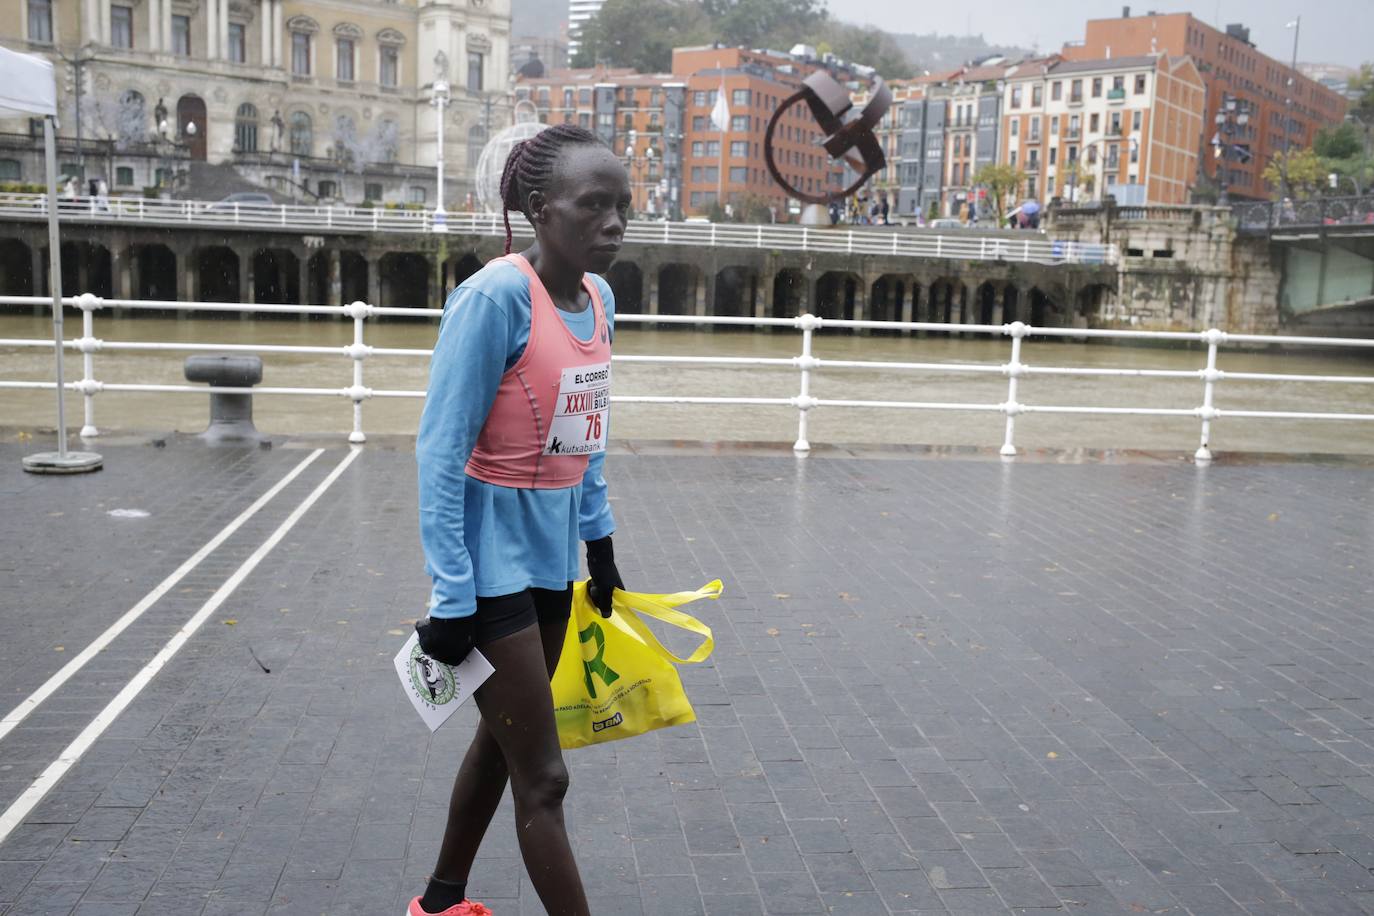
[941,683]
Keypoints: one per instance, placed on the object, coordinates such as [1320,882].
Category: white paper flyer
[437,690]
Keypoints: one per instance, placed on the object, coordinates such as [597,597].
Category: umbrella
[28,89]
[1030,207]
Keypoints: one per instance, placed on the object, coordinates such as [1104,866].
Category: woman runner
[510,453]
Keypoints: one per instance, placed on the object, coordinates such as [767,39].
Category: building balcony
[1113,130]
[1073,133]
[1116,96]
[1032,165]
[1076,101]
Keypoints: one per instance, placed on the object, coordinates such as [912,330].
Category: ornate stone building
[313,99]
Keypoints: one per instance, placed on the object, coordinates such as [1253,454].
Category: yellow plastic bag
[614,678]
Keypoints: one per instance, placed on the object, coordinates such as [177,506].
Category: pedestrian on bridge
[510,453]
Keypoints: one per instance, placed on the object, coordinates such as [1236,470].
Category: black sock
[440,895]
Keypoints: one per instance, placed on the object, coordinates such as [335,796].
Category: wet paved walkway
[940,686]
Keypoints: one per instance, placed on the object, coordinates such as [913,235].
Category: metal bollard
[231,414]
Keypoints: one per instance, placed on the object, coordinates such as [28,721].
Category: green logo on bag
[596,665]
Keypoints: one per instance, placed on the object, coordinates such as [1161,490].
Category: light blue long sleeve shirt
[480,538]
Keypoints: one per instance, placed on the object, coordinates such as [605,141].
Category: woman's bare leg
[481,782]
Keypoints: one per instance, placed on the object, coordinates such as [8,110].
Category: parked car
[945,223]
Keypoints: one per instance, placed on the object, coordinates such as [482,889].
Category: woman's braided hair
[530,165]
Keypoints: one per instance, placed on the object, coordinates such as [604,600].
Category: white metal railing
[968,246]
[88,345]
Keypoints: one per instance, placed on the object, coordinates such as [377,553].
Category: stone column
[278,31]
[651,304]
[154,13]
[334,295]
[706,296]
[265,14]
[303,279]
[862,291]
[187,275]
[374,281]
[210,10]
[83,270]
[223,27]
[167,27]
[124,267]
[40,271]
[763,285]
[997,305]
[245,281]
[90,21]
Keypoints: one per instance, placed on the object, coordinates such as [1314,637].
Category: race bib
[580,420]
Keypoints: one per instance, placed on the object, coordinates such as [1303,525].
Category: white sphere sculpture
[493,161]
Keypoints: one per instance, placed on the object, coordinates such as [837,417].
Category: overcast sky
[1333,31]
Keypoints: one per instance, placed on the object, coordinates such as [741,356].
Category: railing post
[894,243]
[358,352]
[849,243]
[666,224]
[236,212]
[1017,330]
[806,237]
[758,236]
[939,246]
[807,323]
[1210,377]
[88,304]
[713,235]
[1025,250]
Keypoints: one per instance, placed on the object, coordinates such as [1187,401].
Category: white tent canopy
[28,89]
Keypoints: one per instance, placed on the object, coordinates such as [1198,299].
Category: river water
[280,414]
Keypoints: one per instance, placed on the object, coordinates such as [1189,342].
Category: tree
[864,45]
[641,34]
[1340,142]
[765,23]
[1301,171]
[1000,182]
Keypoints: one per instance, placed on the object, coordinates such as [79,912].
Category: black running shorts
[506,614]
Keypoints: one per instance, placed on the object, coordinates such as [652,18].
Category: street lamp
[636,164]
[440,101]
[1231,118]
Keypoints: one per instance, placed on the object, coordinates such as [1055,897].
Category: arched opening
[465,267]
[155,273]
[886,297]
[1010,301]
[192,125]
[946,298]
[627,285]
[677,289]
[302,136]
[317,279]
[789,294]
[86,268]
[835,294]
[276,277]
[735,292]
[405,280]
[246,128]
[984,302]
[218,270]
[352,277]
[1041,308]
[16,268]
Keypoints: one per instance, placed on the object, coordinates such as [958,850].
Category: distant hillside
[944,52]
[538,18]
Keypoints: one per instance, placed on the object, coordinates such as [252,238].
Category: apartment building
[1128,127]
[321,98]
[638,115]
[1287,107]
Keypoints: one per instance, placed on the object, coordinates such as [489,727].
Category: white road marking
[64,674]
[14,815]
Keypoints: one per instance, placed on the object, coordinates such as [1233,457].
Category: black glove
[447,639]
[605,577]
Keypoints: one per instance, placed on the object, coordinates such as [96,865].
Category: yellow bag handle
[662,607]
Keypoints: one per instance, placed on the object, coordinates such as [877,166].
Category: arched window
[477,140]
[10,170]
[302,134]
[385,141]
[246,128]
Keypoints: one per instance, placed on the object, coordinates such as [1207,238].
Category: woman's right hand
[447,639]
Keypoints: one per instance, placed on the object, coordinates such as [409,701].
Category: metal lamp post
[1232,116]
[440,102]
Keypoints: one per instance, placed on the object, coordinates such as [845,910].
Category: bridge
[217,252]
[1326,246]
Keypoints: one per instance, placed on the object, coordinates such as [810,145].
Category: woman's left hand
[605,577]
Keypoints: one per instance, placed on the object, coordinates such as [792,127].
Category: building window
[1054,155]
[739,149]
[713,148]
[1035,129]
[302,137]
[740,98]
[1093,121]
[246,128]
[1054,126]
[238,41]
[568,98]
[584,120]
[1015,96]
[1037,95]
[1119,82]
[1135,120]
[389,72]
[1135,153]
[10,170]
[1076,91]
[372,190]
[710,173]
[124,176]
[1056,90]
[698,149]
[40,21]
[343,60]
[300,53]
[477,141]
[475,72]
[696,173]
[1016,127]
[629,122]
[739,122]
[698,123]
[1097,87]
[1140,84]
[1049,186]
[326,190]
[417,195]
[584,97]
[122,26]
[1116,122]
